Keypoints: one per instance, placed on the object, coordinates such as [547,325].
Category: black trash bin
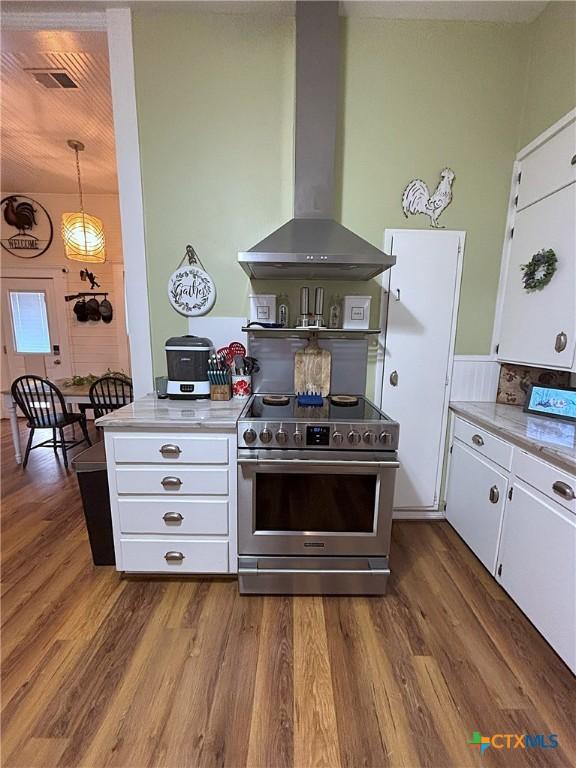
[90,466]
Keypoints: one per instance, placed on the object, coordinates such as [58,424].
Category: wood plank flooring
[100,671]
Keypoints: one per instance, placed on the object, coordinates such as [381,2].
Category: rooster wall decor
[417,197]
[26,227]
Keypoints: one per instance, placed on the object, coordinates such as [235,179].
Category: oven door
[314,503]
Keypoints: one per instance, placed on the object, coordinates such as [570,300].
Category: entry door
[422,309]
[32,334]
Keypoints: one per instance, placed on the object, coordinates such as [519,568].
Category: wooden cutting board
[312,369]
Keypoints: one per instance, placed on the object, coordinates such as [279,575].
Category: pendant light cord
[81,199]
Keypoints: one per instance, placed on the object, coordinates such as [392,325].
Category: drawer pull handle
[171,483]
[170,451]
[494,494]
[477,439]
[561,342]
[573,161]
[172,517]
[394,378]
[564,490]
[173,557]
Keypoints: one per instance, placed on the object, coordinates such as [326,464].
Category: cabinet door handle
[573,161]
[394,378]
[170,451]
[564,490]
[494,494]
[477,439]
[561,342]
[172,517]
[171,483]
[173,557]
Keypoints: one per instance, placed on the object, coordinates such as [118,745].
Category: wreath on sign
[539,270]
[191,290]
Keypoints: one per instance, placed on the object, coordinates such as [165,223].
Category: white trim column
[120,51]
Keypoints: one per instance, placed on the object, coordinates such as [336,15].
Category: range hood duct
[312,244]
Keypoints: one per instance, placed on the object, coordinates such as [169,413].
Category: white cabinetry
[548,168]
[537,566]
[475,502]
[517,513]
[539,327]
[173,501]
[421,326]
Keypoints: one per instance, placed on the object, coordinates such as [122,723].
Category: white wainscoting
[475,378]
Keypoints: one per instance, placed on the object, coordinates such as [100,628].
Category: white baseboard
[475,378]
[418,514]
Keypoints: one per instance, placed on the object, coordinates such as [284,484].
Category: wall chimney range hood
[312,244]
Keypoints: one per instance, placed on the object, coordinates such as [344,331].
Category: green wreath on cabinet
[539,270]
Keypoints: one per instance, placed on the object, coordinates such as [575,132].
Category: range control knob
[385,438]
[281,437]
[337,438]
[354,437]
[266,435]
[298,438]
[249,436]
[369,437]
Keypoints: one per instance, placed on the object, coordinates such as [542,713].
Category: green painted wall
[420,96]
[550,85]
[215,104]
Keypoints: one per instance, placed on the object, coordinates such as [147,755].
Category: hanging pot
[93,309]
[106,311]
[80,311]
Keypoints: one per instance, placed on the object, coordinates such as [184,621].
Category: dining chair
[110,393]
[44,407]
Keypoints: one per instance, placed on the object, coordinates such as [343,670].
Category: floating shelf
[306,333]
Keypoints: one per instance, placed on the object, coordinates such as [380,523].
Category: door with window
[33,330]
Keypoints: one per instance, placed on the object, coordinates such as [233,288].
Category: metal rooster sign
[417,197]
[26,227]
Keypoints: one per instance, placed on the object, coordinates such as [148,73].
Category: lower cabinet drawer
[554,483]
[173,481]
[174,556]
[484,442]
[174,516]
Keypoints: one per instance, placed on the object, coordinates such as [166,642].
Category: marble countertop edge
[149,412]
[537,435]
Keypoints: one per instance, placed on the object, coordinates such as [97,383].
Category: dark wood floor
[103,671]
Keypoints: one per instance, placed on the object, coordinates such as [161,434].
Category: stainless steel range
[315,491]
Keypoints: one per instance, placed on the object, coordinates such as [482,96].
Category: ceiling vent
[53,78]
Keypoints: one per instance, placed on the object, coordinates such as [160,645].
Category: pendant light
[83,234]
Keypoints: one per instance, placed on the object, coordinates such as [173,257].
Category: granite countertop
[550,439]
[149,412]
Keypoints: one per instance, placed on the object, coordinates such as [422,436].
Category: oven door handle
[320,463]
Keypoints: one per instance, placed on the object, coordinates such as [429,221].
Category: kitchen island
[172,479]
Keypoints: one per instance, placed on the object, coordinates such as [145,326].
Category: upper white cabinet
[539,327]
[548,168]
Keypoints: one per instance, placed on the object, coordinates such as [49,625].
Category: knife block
[220,392]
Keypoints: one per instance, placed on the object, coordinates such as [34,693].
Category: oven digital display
[317,435]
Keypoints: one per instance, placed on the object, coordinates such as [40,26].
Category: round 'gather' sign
[191,290]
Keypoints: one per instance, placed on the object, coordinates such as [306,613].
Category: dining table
[73,395]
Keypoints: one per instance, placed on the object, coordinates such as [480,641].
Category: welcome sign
[27,229]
